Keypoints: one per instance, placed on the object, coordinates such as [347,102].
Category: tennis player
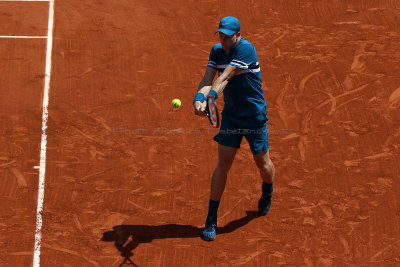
[244,114]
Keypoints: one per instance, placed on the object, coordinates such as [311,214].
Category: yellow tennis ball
[176,103]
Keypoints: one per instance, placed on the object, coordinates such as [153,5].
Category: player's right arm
[204,88]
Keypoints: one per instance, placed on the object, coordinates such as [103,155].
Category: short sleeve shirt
[243,95]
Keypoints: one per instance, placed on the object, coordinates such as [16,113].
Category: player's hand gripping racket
[212,111]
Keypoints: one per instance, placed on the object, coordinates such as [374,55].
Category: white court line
[43,144]
[23,37]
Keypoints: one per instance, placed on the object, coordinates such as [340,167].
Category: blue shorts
[232,131]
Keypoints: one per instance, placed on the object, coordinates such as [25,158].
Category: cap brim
[226,32]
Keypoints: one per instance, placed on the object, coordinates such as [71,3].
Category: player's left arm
[221,82]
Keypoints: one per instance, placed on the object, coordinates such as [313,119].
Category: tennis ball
[176,103]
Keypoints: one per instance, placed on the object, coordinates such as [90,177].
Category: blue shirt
[243,94]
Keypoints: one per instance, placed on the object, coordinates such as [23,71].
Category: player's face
[228,41]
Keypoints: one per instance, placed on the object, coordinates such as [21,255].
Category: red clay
[21,84]
[122,163]
[23,18]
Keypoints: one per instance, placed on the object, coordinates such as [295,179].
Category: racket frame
[212,114]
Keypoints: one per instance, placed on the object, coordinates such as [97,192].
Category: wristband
[199,97]
[213,94]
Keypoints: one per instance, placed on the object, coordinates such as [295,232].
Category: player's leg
[228,143]
[267,172]
[265,166]
[226,156]
[258,140]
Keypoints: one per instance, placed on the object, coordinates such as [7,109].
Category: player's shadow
[139,234]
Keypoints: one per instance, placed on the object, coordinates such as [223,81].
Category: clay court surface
[122,163]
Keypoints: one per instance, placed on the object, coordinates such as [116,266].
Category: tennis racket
[212,112]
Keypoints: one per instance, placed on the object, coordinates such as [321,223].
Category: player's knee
[224,165]
[268,168]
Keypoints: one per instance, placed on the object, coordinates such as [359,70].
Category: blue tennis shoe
[264,203]
[209,231]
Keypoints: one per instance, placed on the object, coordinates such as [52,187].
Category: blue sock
[267,189]
[212,211]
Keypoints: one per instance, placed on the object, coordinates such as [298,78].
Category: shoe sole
[207,239]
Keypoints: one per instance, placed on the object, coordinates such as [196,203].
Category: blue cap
[229,25]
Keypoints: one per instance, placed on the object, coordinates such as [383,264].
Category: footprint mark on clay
[381,186]
[152,152]
[358,64]
[328,212]
[21,180]
[345,245]
[394,99]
